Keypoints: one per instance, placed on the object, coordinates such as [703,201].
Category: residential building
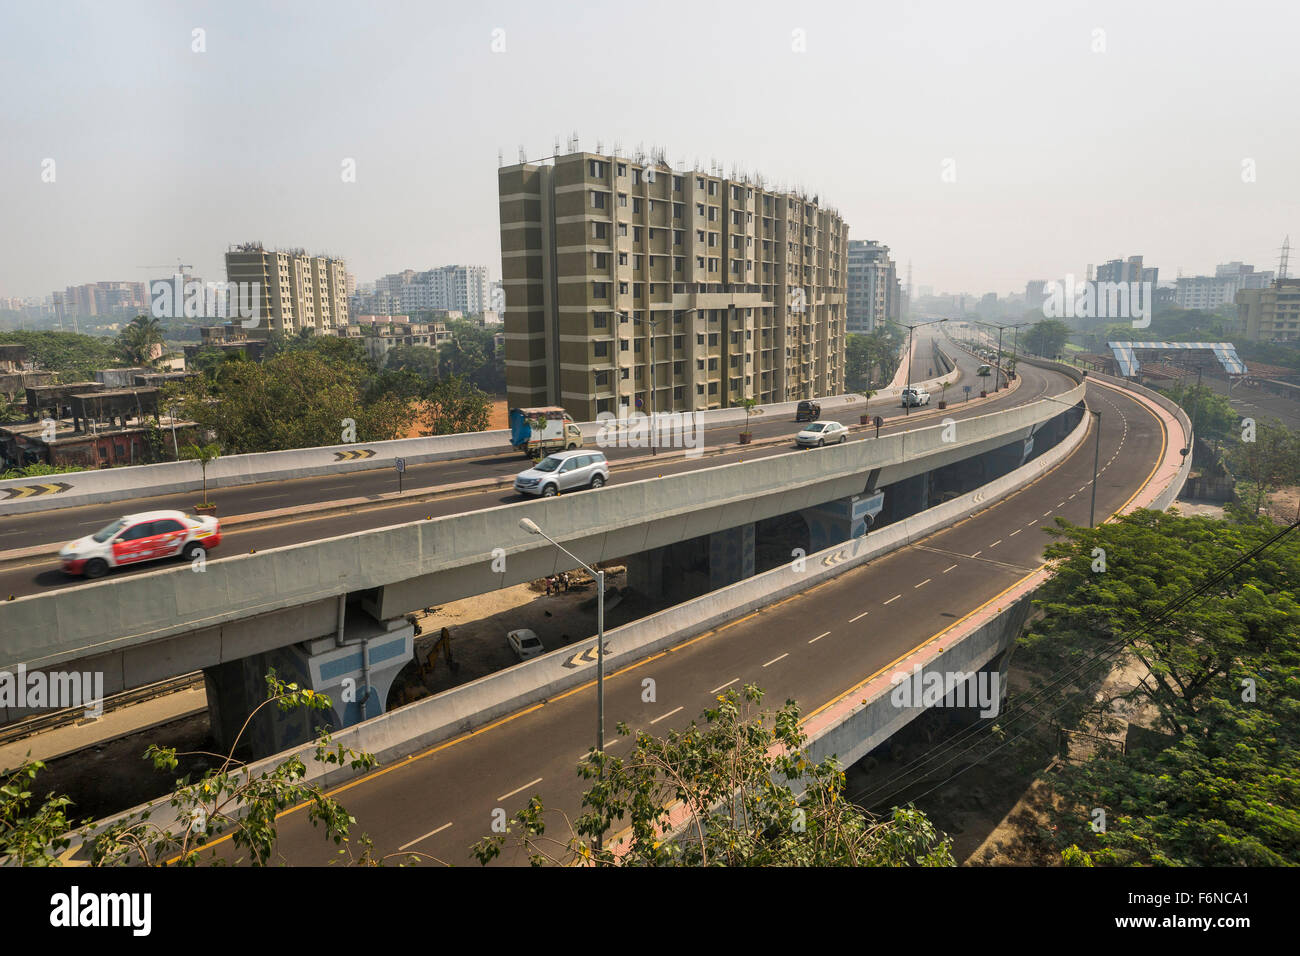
[382,333]
[873,294]
[1213,292]
[737,291]
[1270,314]
[297,291]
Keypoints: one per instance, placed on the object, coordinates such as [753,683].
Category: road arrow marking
[354,455]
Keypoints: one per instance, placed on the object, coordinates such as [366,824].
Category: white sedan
[525,643]
[817,434]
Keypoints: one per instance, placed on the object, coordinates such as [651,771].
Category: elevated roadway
[815,647]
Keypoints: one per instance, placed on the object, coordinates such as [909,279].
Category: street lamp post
[1096,460]
[531,526]
[907,406]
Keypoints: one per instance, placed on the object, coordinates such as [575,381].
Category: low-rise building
[1270,314]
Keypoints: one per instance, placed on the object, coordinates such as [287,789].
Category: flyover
[140,628]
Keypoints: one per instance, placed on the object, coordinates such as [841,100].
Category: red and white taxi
[136,538]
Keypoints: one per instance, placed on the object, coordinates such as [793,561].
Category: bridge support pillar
[841,520]
[731,556]
[356,675]
[645,572]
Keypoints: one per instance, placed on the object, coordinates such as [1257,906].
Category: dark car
[808,412]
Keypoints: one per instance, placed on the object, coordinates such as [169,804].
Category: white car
[819,433]
[564,471]
[916,396]
[146,536]
[525,643]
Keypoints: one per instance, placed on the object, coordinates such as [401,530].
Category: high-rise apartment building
[297,291]
[448,288]
[631,285]
[873,291]
[1127,270]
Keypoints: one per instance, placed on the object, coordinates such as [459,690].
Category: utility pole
[1096,461]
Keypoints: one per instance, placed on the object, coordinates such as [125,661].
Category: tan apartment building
[1270,314]
[738,291]
[297,291]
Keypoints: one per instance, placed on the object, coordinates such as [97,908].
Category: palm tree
[138,340]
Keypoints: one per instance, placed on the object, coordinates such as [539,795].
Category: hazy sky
[1063,156]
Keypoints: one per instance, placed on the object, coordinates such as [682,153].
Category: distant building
[297,291]
[873,295]
[1213,292]
[1271,314]
[381,335]
[457,288]
[126,299]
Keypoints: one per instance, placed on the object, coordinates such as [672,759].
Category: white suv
[563,471]
[916,396]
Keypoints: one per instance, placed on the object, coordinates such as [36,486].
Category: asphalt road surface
[815,648]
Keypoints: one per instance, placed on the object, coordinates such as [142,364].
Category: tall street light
[907,407]
[1096,457]
[531,526]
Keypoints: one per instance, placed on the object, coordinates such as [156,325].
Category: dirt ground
[498,417]
[478,628]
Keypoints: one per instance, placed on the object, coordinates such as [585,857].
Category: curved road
[815,647]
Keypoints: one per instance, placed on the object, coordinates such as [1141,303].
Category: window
[636,206]
[679,342]
[678,263]
[622,230]
[598,169]
[636,233]
[597,200]
[679,394]
[600,320]
[622,169]
[713,214]
[622,258]
[600,260]
[679,210]
[713,188]
[622,345]
[713,338]
[677,237]
[636,177]
[713,240]
[600,290]
[602,379]
[622,200]
[601,349]
[699,209]
[699,182]
[699,389]
[636,263]
[679,368]
[677,184]
[636,347]
[622,288]
[600,230]
[623,374]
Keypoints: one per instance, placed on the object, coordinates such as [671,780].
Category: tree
[1211,414]
[1048,336]
[748,404]
[1213,782]
[303,397]
[1267,456]
[138,341]
[452,406]
[72,356]
[737,780]
[204,455]
[226,799]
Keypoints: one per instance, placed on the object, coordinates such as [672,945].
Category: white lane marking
[775,659]
[724,686]
[858,618]
[977,554]
[425,837]
[507,796]
[946,570]
[818,638]
[267,497]
[996,543]
[1016,532]
[1060,504]
[664,717]
[922,584]
[1047,514]
[893,599]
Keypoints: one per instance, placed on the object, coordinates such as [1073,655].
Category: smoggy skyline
[986,147]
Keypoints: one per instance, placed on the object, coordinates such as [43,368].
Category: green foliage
[452,406]
[228,800]
[31,837]
[871,358]
[1220,783]
[1266,464]
[72,356]
[1047,337]
[38,470]
[1212,415]
[204,455]
[299,397]
[138,339]
[729,787]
